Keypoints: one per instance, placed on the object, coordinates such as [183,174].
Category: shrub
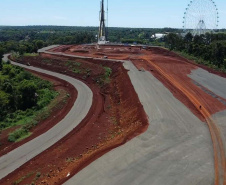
[18,134]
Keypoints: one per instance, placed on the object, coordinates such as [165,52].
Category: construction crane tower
[102,36]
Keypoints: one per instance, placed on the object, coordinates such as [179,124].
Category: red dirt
[116,116]
[172,71]
[177,66]
[56,114]
[179,72]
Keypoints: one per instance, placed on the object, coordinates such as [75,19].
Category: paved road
[21,155]
[175,150]
[211,81]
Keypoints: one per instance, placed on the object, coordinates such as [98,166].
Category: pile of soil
[115,117]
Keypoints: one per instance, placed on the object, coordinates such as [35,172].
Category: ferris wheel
[201,16]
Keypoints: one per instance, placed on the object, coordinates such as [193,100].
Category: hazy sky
[122,13]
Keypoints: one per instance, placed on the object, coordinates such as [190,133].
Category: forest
[22,96]
[208,49]
[29,39]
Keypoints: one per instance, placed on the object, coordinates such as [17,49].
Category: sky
[122,13]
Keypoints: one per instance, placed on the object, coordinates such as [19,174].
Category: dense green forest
[208,49]
[22,96]
[29,39]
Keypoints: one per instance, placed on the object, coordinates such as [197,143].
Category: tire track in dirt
[218,146]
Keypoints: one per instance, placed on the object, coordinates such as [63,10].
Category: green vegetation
[208,49]
[105,78]
[77,71]
[18,135]
[23,100]
[107,74]
[22,178]
[28,39]
[30,54]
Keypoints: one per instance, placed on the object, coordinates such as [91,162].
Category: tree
[28,94]
[39,44]
[22,49]
[219,54]
[1,56]
[1,64]
[4,101]
[199,39]
[188,37]
[208,38]
[173,41]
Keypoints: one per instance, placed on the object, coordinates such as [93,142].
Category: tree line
[28,39]
[20,91]
[209,47]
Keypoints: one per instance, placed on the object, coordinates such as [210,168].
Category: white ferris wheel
[201,16]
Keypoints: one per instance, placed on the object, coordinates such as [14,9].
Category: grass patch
[22,178]
[19,135]
[30,54]
[37,176]
[72,63]
[202,61]
[105,78]
[69,159]
[68,63]
[78,64]
[77,71]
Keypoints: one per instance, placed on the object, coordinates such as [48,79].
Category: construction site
[136,115]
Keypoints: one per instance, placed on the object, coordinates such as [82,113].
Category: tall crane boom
[102,36]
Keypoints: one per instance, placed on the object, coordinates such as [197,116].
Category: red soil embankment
[64,102]
[115,117]
[172,70]
[175,65]
[179,69]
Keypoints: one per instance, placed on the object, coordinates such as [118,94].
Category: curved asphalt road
[19,156]
[175,150]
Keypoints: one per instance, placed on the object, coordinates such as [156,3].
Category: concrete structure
[158,36]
